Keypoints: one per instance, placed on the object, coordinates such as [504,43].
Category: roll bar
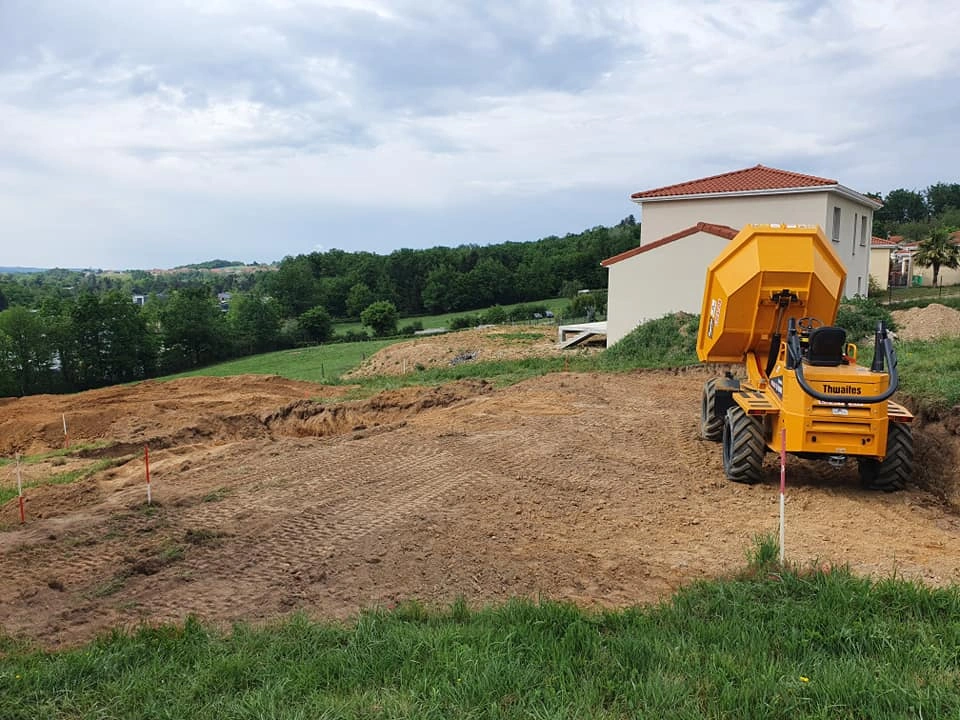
[883,350]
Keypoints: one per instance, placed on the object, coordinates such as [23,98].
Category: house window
[835,233]
[855,228]
[859,284]
[863,231]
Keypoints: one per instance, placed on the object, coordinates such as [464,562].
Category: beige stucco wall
[946,276]
[664,280]
[662,218]
[880,265]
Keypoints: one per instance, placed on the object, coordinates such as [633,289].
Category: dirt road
[581,487]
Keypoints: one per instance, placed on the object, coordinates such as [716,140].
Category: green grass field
[773,643]
[321,363]
[896,295]
[555,305]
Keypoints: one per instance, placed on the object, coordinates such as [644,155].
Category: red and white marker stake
[66,437]
[146,464]
[20,491]
[783,485]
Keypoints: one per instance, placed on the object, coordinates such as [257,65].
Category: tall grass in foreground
[770,644]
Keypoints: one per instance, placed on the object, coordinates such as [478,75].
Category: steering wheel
[806,324]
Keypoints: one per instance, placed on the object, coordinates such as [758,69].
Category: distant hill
[20,270]
[214,264]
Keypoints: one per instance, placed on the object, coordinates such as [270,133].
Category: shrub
[463,321]
[353,336]
[525,313]
[411,328]
[588,305]
[495,315]
[859,317]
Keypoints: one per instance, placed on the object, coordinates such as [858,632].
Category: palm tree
[937,251]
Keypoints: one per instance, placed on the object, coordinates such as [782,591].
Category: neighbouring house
[684,226]
[139,299]
[891,264]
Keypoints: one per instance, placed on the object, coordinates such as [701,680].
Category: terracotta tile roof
[758,177]
[723,231]
[898,241]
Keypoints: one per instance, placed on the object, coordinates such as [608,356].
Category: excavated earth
[272,496]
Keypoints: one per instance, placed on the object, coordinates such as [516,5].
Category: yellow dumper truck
[769,304]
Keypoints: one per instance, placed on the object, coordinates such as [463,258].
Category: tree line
[915,214]
[63,331]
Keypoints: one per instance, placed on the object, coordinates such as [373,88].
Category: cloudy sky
[137,135]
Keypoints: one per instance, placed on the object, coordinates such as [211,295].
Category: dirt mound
[592,488]
[159,413]
[926,323]
[307,418]
[512,342]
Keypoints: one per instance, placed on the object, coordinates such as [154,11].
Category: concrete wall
[662,218]
[664,280]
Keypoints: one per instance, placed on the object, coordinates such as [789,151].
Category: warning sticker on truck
[715,306]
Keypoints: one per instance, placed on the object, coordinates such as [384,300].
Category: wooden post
[146,463]
[20,492]
[783,487]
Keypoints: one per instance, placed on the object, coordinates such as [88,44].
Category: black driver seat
[826,346]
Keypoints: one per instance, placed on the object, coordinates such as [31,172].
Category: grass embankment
[322,363]
[930,371]
[774,643]
[926,294]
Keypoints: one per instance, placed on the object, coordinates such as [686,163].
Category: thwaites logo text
[842,389]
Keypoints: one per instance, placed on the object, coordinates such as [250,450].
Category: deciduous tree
[381,317]
[316,324]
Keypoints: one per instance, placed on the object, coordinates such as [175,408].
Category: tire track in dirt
[313,517]
[589,488]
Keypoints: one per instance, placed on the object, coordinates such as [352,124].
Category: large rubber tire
[894,471]
[711,426]
[743,447]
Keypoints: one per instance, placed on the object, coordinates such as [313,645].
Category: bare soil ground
[592,488]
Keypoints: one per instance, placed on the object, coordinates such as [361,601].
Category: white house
[684,226]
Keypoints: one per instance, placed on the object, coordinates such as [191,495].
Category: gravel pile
[926,323]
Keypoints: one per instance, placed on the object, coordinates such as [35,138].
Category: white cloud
[370,107]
